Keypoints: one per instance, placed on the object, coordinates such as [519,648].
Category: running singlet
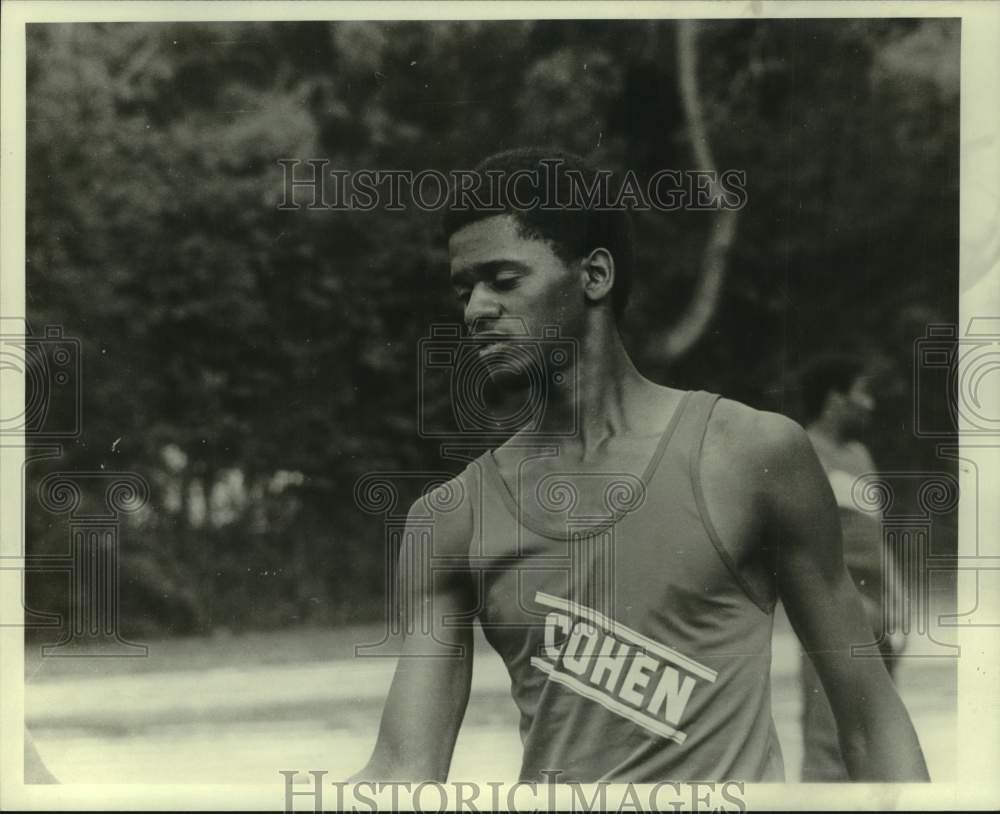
[636,653]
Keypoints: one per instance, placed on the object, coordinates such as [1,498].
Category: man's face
[509,285]
[858,405]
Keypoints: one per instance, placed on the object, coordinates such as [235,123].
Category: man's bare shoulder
[756,440]
[446,511]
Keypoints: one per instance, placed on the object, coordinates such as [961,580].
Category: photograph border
[977,727]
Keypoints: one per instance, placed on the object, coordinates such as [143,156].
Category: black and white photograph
[500,406]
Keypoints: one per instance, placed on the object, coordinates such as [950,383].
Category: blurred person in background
[838,406]
[35,770]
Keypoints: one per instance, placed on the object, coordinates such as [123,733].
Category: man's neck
[601,394]
[829,429]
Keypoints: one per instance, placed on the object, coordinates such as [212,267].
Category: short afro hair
[573,232]
[833,372]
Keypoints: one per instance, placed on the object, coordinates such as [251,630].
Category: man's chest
[730,496]
[550,485]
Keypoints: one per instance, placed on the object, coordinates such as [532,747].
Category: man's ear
[598,269]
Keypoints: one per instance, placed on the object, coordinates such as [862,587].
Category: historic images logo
[316,186]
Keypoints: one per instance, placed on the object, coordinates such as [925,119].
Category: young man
[838,405]
[625,570]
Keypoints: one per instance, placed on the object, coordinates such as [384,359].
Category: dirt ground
[239,709]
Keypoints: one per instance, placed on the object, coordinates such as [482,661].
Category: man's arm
[430,690]
[35,770]
[877,739]
[891,574]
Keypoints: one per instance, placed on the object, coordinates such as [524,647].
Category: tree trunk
[677,340]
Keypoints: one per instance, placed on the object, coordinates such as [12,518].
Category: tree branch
[677,340]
